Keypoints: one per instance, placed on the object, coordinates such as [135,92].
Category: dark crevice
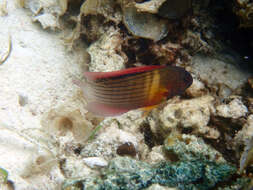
[150,138]
[227,128]
[237,38]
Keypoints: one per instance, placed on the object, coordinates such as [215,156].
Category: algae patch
[125,173]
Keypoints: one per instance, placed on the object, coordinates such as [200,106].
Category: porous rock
[156,155]
[73,167]
[234,109]
[107,141]
[193,114]
[104,56]
[189,147]
[246,133]
[244,10]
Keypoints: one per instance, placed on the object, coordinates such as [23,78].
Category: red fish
[117,92]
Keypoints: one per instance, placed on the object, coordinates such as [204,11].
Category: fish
[117,92]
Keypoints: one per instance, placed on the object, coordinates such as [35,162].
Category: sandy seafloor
[36,73]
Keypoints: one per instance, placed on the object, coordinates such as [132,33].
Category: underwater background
[199,138]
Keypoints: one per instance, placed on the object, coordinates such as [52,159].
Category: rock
[106,8]
[108,139]
[156,155]
[189,147]
[244,138]
[104,56]
[198,174]
[73,167]
[191,115]
[234,109]
[218,73]
[243,10]
[246,133]
[95,162]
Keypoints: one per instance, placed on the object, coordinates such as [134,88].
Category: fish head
[179,81]
[186,79]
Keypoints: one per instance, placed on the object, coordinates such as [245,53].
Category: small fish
[117,92]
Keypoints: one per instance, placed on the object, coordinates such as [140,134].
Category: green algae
[125,173]
[3,176]
[189,147]
[197,167]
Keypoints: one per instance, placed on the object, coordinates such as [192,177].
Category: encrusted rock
[195,174]
[104,56]
[189,147]
[193,114]
[244,135]
[107,142]
[244,10]
[73,167]
[156,155]
[106,8]
[233,109]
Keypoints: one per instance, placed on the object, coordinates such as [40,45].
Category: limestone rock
[193,114]
[233,109]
